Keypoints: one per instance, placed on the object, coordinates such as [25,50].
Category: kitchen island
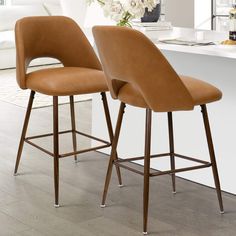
[215,64]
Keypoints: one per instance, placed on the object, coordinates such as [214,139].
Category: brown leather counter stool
[61,38]
[139,75]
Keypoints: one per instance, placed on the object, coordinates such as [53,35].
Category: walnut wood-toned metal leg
[73,126]
[56,150]
[146,168]
[24,130]
[113,152]
[171,144]
[110,131]
[212,156]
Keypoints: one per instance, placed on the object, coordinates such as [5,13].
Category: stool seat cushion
[66,81]
[200,91]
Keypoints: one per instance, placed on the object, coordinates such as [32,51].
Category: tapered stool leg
[73,127]
[56,150]
[113,153]
[171,144]
[146,168]
[212,156]
[24,130]
[110,131]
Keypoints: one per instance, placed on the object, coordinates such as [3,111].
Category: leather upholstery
[138,73]
[66,81]
[61,38]
[128,94]
[200,91]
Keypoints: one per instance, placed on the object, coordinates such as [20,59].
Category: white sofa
[10,14]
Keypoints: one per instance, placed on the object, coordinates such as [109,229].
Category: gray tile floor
[26,201]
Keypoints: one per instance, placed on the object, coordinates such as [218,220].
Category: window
[220,14]
[2,2]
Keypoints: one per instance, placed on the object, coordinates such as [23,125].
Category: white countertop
[227,51]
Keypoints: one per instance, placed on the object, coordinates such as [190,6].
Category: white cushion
[33,2]
[7,39]
[10,14]
[53,9]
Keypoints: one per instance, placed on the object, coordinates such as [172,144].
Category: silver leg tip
[222,212]
[56,205]
[145,233]
[102,206]
[120,185]
[174,192]
[15,174]
[76,161]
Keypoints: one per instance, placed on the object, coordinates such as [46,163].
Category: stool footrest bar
[141,158]
[179,170]
[190,158]
[38,147]
[128,168]
[121,163]
[47,135]
[84,150]
[68,131]
[92,137]
[106,143]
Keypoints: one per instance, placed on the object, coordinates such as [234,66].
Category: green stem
[101,2]
[127,15]
[125,20]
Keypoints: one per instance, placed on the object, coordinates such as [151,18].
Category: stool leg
[110,131]
[56,149]
[148,127]
[73,127]
[113,152]
[171,144]
[212,156]
[24,130]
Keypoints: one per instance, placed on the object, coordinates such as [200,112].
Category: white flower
[114,9]
[134,7]
[125,9]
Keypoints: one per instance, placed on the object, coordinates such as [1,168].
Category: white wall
[189,13]
[76,9]
[202,14]
[180,12]
[84,14]
[95,16]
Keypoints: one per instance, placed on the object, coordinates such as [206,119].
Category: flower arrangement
[122,11]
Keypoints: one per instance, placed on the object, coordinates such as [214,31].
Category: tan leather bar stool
[61,38]
[139,75]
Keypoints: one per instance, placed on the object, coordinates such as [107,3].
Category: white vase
[75,9]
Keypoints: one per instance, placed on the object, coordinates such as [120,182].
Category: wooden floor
[26,200]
